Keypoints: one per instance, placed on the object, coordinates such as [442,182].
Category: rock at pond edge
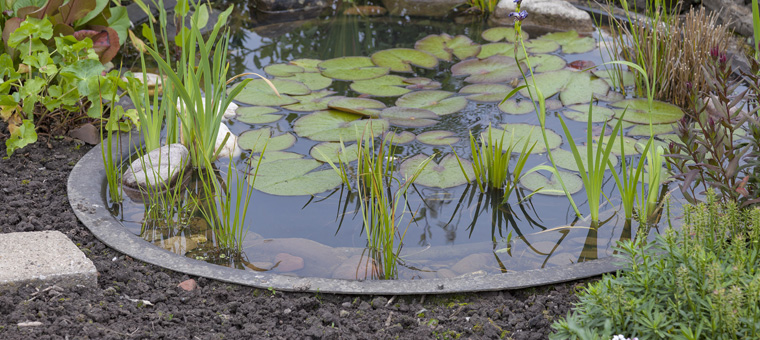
[554,14]
[161,166]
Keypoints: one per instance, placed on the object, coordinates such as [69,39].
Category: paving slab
[42,259]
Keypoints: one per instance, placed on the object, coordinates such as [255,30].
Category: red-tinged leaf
[50,7]
[582,64]
[10,26]
[61,29]
[22,13]
[76,9]
[105,41]
[689,177]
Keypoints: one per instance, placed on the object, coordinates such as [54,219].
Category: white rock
[158,167]
[555,14]
[229,112]
[230,148]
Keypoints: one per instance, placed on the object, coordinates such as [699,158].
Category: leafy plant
[698,283]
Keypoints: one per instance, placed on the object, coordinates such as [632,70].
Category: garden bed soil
[137,300]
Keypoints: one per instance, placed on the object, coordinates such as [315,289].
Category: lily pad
[361,106]
[401,59]
[351,68]
[445,174]
[271,156]
[422,83]
[496,69]
[308,65]
[255,140]
[582,87]
[541,46]
[257,115]
[519,134]
[314,101]
[550,83]
[629,145]
[547,63]
[571,41]
[443,46]
[486,92]
[613,78]
[334,152]
[283,70]
[438,138]
[502,33]
[658,129]
[499,48]
[437,101]
[638,111]
[334,126]
[514,107]
[551,186]
[409,117]
[580,113]
[385,86]
[565,159]
[314,81]
[258,92]
[294,177]
[400,137]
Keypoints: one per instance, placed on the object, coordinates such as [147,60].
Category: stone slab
[557,15]
[42,259]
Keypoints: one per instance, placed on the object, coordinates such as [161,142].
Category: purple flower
[519,16]
[723,58]
[518,2]
[714,52]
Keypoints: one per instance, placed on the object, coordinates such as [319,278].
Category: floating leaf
[351,68]
[257,115]
[515,107]
[293,177]
[502,49]
[314,101]
[486,92]
[629,145]
[610,75]
[308,65]
[271,156]
[444,46]
[434,100]
[401,59]
[580,113]
[547,63]
[385,86]
[565,159]
[571,42]
[409,117]
[283,70]
[258,92]
[334,126]
[582,64]
[334,152]
[255,140]
[314,81]
[496,69]
[535,181]
[445,174]
[550,83]
[658,129]
[638,111]
[438,138]
[541,46]
[519,134]
[398,138]
[361,106]
[502,33]
[463,47]
[422,83]
[582,87]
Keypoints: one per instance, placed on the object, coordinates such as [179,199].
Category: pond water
[455,230]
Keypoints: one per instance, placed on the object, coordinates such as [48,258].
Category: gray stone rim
[86,191]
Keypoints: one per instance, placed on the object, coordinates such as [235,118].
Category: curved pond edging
[86,191]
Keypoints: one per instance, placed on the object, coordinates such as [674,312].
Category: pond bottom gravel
[137,300]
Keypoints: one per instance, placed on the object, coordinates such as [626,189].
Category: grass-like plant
[628,181]
[484,6]
[697,283]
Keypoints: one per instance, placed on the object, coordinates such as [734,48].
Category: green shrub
[698,283]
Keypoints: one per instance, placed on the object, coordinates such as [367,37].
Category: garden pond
[431,84]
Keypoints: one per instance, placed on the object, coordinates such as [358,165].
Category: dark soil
[33,198]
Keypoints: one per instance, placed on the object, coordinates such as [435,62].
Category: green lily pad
[308,65]
[351,68]
[258,92]
[334,126]
[294,177]
[444,46]
[445,174]
[361,106]
[582,87]
[385,86]
[519,134]
[255,140]
[565,159]
[257,115]
[422,83]
[401,59]
[541,46]
[314,101]
[611,96]
[438,138]
[550,83]
[502,33]
[629,145]
[486,92]
[271,156]
[409,117]
[499,48]
[496,69]
[463,47]
[283,70]
[580,113]
[314,81]
[437,101]
[551,186]
[400,137]
[571,42]
[514,107]
[334,152]
[612,77]
[638,111]
[659,129]
[547,63]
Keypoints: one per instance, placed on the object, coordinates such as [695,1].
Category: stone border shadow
[87,196]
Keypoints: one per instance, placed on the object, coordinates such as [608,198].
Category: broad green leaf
[565,159]
[547,63]
[400,137]
[255,140]
[334,126]
[409,117]
[315,101]
[515,107]
[486,92]
[629,145]
[658,129]
[551,186]
[308,65]
[519,134]
[445,174]
[496,69]
[351,68]
[437,101]
[258,92]
[401,59]
[314,81]
[582,87]
[360,106]
[550,83]
[422,83]
[120,23]
[502,33]
[571,42]
[499,48]
[283,70]
[257,115]
[385,86]
[334,152]
[638,111]
[438,138]
[21,136]
[580,113]
[610,75]
[541,46]
[443,46]
[293,177]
